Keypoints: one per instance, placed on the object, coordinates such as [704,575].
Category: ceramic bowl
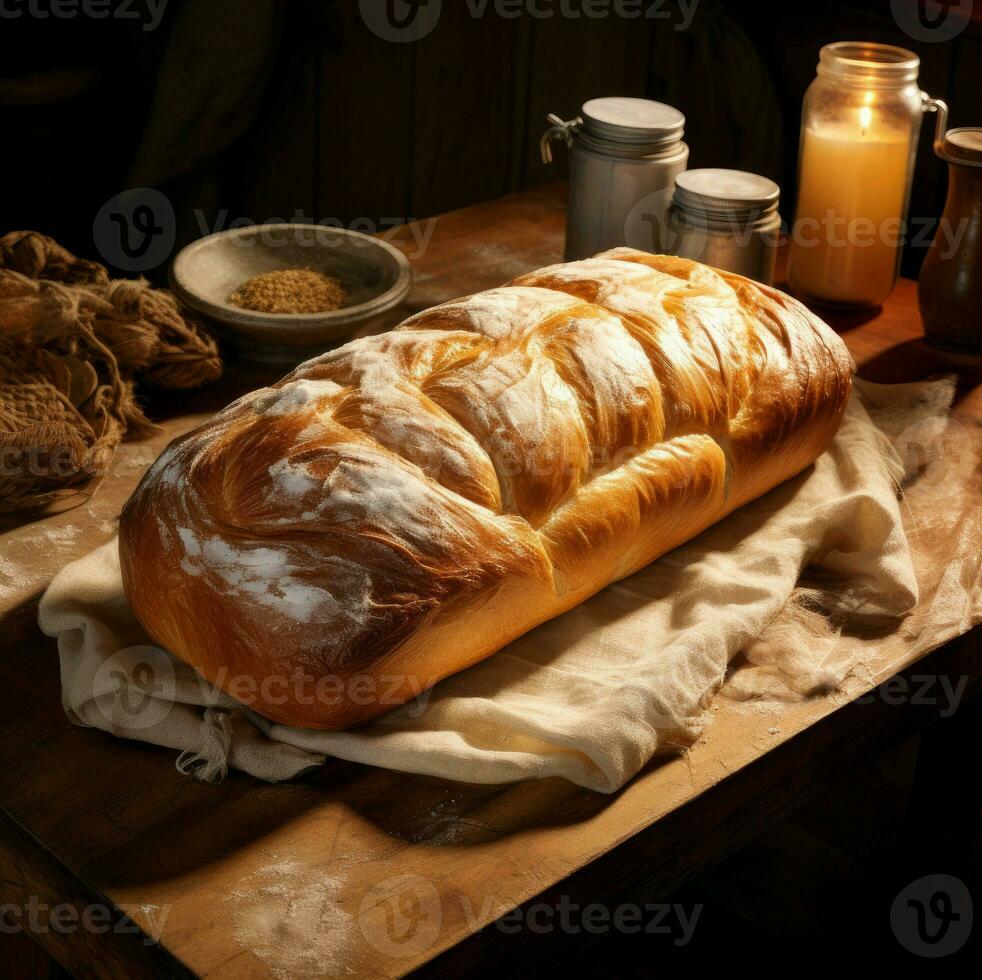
[375,275]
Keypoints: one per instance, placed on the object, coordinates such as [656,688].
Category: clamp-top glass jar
[859,128]
[624,157]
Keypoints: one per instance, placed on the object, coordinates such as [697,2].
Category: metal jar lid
[637,123]
[963,145]
[726,195]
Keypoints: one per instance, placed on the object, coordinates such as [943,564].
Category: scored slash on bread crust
[402,507]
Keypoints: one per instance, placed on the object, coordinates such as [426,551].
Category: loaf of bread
[402,507]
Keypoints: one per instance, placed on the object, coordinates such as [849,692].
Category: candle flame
[865,119]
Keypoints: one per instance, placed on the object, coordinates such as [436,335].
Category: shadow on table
[238,378]
[156,824]
[917,360]
[117,811]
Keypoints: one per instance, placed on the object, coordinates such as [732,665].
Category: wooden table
[362,872]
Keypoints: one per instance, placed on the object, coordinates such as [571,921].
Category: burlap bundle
[72,341]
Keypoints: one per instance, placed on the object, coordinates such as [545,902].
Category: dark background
[253,110]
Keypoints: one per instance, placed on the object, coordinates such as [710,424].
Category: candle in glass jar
[851,200]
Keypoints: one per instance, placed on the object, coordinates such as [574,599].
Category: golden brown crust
[402,507]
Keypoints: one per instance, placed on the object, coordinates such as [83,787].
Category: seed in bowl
[290,291]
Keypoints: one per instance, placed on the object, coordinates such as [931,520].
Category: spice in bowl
[290,291]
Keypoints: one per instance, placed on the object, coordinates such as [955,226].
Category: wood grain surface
[355,871]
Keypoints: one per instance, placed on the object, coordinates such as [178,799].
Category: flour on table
[289,918]
[21,572]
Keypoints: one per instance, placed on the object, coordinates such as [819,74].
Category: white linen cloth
[592,695]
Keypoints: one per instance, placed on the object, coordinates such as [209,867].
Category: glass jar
[859,128]
[728,219]
[624,155]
